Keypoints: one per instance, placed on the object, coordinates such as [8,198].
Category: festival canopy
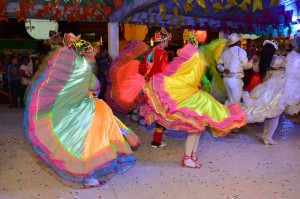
[227,15]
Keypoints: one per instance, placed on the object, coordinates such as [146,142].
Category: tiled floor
[237,166]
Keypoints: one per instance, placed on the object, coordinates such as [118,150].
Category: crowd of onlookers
[16,71]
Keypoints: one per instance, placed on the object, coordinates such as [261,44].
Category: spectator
[13,78]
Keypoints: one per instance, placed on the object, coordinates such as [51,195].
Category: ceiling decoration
[227,15]
[245,16]
[60,10]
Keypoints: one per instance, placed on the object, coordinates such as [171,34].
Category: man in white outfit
[232,64]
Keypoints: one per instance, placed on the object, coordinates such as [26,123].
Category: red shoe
[194,156]
[188,162]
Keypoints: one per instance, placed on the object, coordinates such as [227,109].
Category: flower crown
[272,42]
[193,40]
[80,45]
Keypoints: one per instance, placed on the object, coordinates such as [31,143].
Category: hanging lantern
[200,35]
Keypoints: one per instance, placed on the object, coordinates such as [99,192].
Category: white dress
[280,93]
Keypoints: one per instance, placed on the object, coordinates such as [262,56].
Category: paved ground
[238,166]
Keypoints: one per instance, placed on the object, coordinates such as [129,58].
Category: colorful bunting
[175,11]
[274,2]
[162,8]
[218,6]
[257,5]
[202,4]
[118,3]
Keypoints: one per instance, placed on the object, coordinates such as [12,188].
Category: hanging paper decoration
[176,2]
[162,8]
[71,18]
[59,14]
[149,21]
[200,35]
[257,5]
[218,6]
[21,16]
[163,16]
[107,11]
[155,20]
[175,11]
[185,7]
[99,17]
[274,2]
[201,3]
[118,3]
[178,24]
[171,21]
[3,17]
[243,6]
[180,18]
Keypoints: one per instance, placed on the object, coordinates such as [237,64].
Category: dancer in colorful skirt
[176,101]
[76,135]
[279,92]
[132,68]
[158,58]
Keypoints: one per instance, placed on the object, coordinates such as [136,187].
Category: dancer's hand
[226,71]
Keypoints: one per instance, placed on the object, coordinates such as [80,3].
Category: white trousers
[234,88]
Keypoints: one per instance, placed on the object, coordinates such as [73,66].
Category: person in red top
[155,61]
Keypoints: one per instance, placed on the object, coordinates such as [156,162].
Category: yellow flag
[163,16]
[177,24]
[257,5]
[201,3]
[155,20]
[233,2]
[162,8]
[180,18]
[175,11]
[189,1]
[176,2]
[243,6]
[227,6]
[218,6]
[172,20]
[149,21]
[276,2]
[247,1]
[186,8]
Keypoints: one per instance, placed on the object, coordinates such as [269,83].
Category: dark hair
[265,60]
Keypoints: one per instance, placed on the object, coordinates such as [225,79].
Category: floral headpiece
[80,45]
[193,40]
[272,42]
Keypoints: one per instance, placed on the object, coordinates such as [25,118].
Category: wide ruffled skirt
[280,93]
[74,134]
[125,81]
[175,101]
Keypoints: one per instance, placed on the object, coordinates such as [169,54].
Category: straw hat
[233,38]
[161,35]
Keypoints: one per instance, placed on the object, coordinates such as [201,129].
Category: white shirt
[235,60]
